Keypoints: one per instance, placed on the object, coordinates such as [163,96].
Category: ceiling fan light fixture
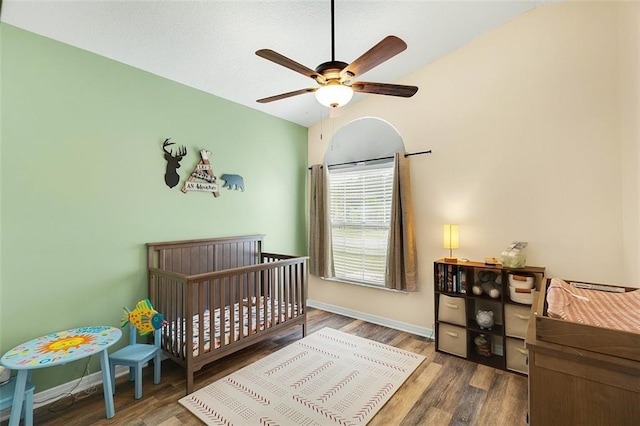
[334,95]
[335,78]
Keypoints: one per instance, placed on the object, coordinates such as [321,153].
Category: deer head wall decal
[171,177]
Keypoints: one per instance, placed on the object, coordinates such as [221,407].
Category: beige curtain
[401,271]
[320,251]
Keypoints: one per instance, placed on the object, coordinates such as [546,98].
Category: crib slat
[232,310]
[223,314]
[250,295]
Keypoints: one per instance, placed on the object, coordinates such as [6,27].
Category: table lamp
[451,241]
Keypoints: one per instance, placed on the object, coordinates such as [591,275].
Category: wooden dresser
[573,386]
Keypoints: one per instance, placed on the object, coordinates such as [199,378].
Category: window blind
[360,209]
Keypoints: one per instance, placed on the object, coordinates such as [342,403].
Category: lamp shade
[334,94]
[451,236]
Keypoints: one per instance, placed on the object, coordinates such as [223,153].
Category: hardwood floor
[444,390]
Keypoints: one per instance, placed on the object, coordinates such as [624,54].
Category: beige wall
[628,15]
[534,133]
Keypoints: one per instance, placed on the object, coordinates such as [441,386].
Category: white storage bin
[521,295]
[521,281]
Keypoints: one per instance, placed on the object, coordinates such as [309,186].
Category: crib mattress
[261,318]
[617,311]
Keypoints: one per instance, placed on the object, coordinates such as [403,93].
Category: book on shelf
[462,273]
[451,279]
[441,280]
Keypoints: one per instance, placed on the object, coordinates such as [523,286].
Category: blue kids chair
[146,320]
[6,399]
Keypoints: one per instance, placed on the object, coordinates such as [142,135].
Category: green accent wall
[82,184]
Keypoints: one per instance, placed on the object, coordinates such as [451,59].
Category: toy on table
[143,317]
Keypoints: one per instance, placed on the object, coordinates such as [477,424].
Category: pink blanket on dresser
[619,311]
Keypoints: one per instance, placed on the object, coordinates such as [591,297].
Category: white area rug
[329,377]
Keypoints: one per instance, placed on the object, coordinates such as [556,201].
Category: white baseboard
[56,393]
[396,325]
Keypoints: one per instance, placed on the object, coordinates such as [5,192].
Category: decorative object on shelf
[451,241]
[233,182]
[483,346]
[171,177]
[204,171]
[484,319]
[491,261]
[490,283]
[512,258]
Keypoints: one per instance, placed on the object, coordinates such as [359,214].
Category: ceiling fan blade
[290,63]
[389,47]
[384,89]
[286,95]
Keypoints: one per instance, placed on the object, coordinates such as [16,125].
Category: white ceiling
[210,45]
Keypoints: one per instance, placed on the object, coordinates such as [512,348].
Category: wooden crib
[220,295]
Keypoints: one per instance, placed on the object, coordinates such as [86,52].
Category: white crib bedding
[259,321]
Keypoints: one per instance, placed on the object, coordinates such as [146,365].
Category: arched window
[360,161]
[361,222]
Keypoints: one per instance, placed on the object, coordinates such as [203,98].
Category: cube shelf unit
[456,306]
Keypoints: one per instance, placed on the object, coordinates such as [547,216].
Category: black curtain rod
[409,154]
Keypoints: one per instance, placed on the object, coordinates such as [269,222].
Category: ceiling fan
[335,78]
